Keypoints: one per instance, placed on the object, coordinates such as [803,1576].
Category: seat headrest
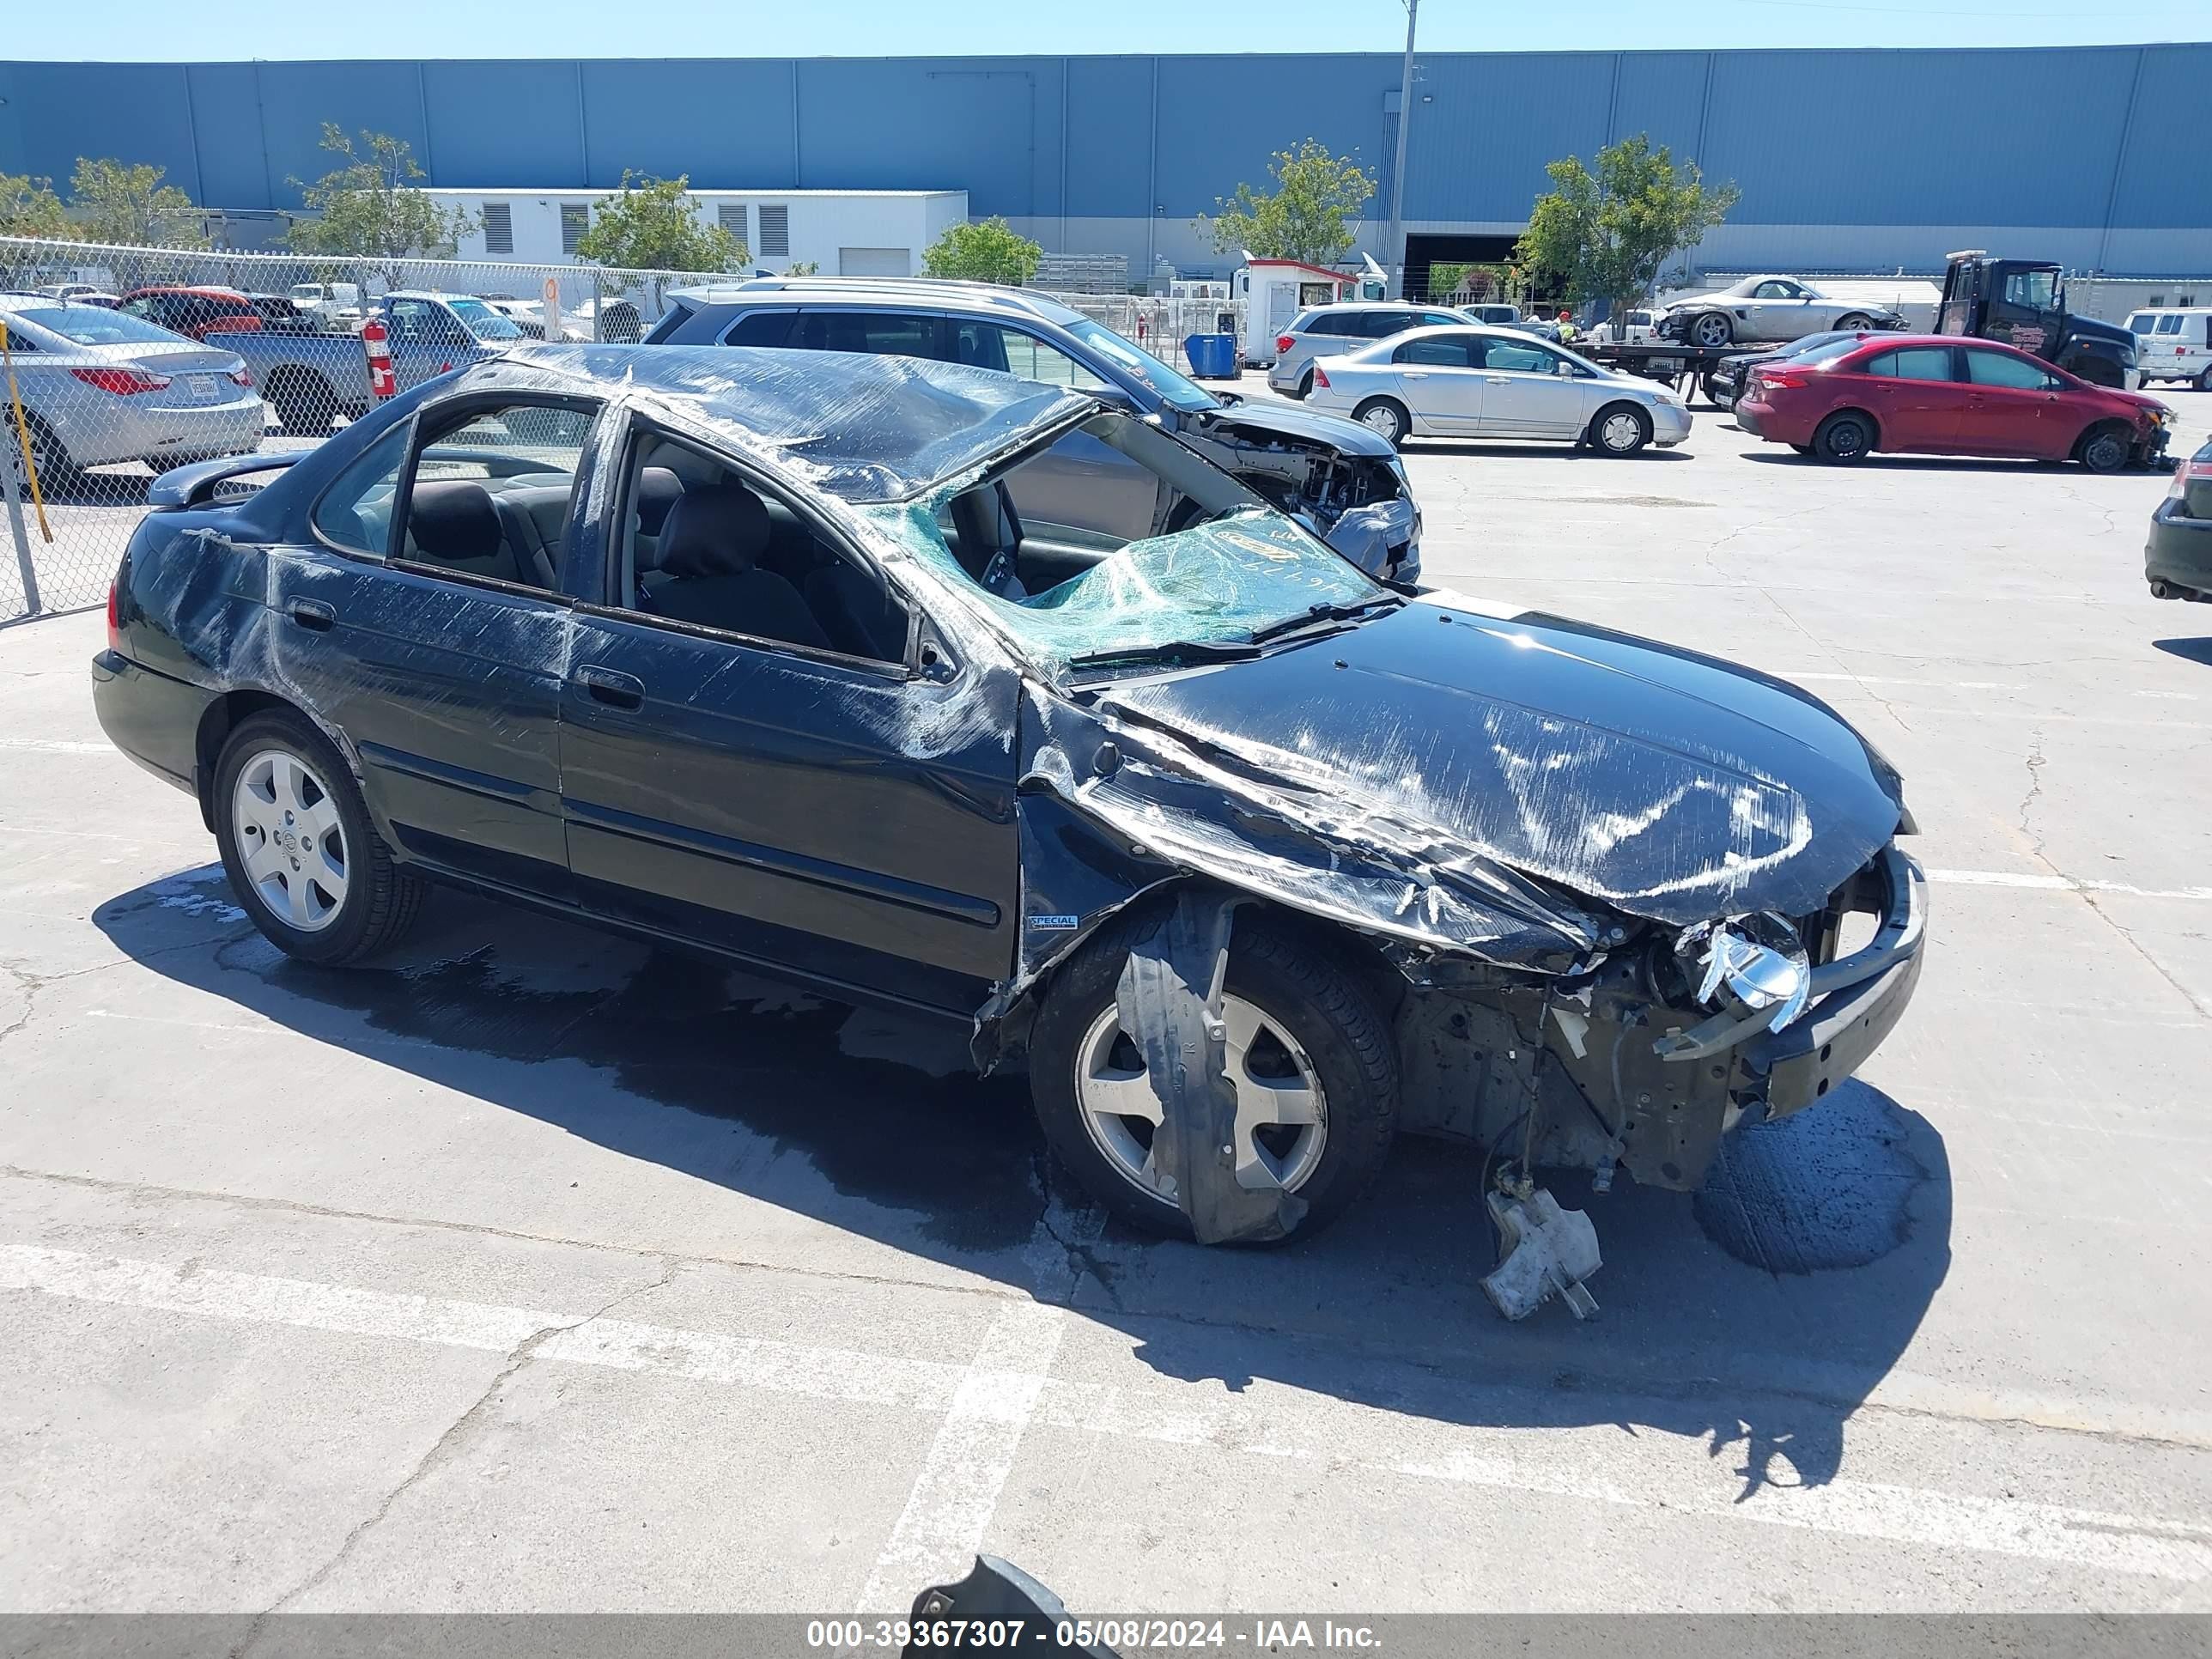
[658,489]
[454,518]
[717,530]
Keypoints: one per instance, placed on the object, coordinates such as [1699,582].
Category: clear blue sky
[151,30]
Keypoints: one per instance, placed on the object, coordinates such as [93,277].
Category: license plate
[202,386]
[1664,365]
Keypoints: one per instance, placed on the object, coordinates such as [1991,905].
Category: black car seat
[534,518]
[658,489]
[707,549]
[990,537]
[452,523]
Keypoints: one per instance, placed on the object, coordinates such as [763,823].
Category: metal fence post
[23,566]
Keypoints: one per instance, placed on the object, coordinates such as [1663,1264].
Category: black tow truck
[2022,303]
[2019,302]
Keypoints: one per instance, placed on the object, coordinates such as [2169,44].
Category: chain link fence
[123,362]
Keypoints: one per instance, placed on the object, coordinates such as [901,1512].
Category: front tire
[2103,448]
[1387,417]
[307,866]
[1845,437]
[1309,1052]
[1619,429]
[1713,329]
[1858,322]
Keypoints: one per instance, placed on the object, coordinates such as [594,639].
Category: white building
[841,232]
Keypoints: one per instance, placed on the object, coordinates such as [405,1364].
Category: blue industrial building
[1848,159]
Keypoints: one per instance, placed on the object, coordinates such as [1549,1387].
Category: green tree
[28,207]
[1444,279]
[992,251]
[1302,217]
[372,208]
[1607,230]
[127,203]
[652,226]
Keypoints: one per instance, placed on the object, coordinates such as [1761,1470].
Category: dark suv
[1335,475]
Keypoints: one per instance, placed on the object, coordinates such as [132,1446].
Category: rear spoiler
[194,485]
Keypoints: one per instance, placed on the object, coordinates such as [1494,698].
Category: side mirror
[1565,370]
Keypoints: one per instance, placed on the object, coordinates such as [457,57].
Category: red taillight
[2187,473]
[1320,376]
[123,382]
[242,377]
[1795,379]
[1284,343]
[114,614]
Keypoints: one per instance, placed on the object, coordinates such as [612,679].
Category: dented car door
[837,816]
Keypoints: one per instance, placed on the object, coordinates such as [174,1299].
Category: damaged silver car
[1253,861]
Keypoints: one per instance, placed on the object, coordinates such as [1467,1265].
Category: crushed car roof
[865,428]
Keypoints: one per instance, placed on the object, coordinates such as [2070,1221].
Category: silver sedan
[1760,308]
[100,386]
[1496,383]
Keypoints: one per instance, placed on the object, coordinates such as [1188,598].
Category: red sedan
[1934,394]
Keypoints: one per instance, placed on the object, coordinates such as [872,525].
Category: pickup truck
[309,380]
[2022,303]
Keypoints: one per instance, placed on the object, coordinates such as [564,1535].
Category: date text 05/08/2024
[1122,1636]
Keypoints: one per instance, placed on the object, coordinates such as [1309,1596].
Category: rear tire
[1845,437]
[1302,988]
[58,472]
[1387,418]
[282,795]
[2204,381]
[2104,448]
[304,405]
[1305,386]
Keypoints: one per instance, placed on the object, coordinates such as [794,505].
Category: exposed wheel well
[2108,424]
[221,718]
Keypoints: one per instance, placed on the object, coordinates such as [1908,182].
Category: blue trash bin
[1212,356]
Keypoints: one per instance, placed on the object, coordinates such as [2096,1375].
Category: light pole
[1394,244]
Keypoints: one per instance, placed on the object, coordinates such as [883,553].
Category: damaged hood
[1667,785]
[1306,425]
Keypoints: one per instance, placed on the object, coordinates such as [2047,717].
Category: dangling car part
[1253,859]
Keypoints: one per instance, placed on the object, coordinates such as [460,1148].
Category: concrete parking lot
[534,1270]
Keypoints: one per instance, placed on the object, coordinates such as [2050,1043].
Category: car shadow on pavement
[1756,1317]
[1559,450]
[1893,463]
[2198,651]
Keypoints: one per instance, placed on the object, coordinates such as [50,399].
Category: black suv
[1344,482]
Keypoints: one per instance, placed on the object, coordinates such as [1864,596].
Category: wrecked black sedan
[1252,860]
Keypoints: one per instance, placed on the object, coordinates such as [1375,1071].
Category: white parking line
[956,1493]
[988,1404]
[2062,884]
[60,746]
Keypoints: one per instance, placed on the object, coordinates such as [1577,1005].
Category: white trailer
[1276,290]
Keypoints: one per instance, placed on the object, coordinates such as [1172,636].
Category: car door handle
[1497,379]
[610,686]
[1417,373]
[311,613]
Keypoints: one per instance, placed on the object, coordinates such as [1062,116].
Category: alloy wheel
[1382,419]
[1621,432]
[1282,1111]
[290,840]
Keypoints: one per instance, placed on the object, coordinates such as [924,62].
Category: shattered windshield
[860,428]
[1069,552]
